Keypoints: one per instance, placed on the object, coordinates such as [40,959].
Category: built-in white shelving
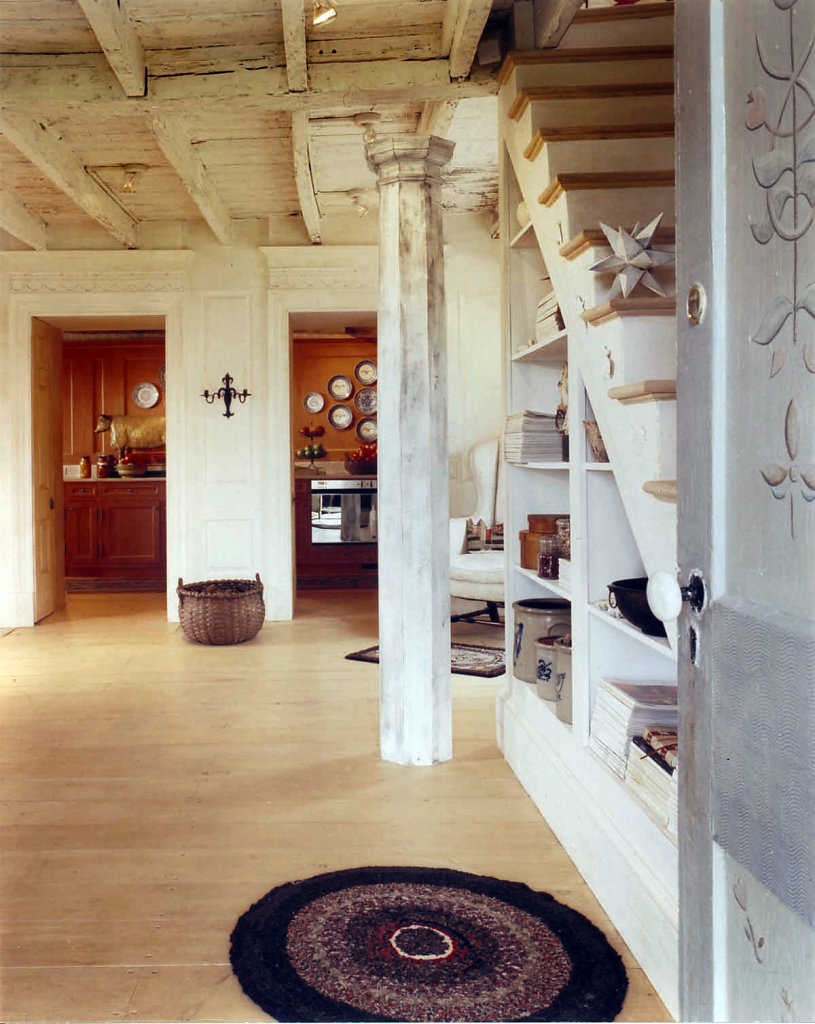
[553,347]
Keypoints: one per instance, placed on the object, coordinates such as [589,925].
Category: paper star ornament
[632,258]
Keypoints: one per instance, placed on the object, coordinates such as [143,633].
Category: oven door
[343,512]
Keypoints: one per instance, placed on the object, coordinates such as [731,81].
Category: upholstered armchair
[478,575]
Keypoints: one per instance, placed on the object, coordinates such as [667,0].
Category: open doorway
[109,496]
[334,438]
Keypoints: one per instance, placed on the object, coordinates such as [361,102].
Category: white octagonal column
[414,585]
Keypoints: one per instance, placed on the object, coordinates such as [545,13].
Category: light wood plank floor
[152,789]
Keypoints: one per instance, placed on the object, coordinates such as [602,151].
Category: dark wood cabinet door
[133,534]
[81,539]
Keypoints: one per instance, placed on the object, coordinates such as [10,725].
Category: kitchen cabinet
[115,529]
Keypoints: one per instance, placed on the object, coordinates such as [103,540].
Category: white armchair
[479,575]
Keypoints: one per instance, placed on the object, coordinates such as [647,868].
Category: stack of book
[623,710]
[654,781]
[549,320]
[532,437]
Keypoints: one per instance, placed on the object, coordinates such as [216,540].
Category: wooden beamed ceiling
[217,102]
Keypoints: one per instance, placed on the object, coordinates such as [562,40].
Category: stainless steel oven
[343,511]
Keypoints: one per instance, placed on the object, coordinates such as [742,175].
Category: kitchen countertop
[147,478]
[327,470]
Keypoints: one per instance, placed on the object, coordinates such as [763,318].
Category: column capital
[408,157]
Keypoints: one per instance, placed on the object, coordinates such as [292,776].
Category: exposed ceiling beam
[21,223]
[448,27]
[437,116]
[294,40]
[471,17]
[43,146]
[174,142]
[52,88]
[300,140]
[552,18]
[117,37]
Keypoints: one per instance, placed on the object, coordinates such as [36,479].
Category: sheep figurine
[132,431]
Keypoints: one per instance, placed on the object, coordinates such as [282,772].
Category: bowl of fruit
[313,449]
[361,461]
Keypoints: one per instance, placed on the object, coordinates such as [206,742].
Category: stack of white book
[532,437]
[654,781]
[625,709]
[548,320]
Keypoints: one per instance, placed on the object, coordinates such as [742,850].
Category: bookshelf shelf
[560,467]
[632,794]
[599,467]
[552,585]
[525,236]
[553,347]
[655,643]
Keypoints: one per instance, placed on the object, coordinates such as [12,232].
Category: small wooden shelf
[553,585]
[524,237]
[553,347]
[656,643]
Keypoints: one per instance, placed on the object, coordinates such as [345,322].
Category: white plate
[145,395]
[340,387]
[365,371]
[366,430]
[365,401]
[340,417]
[314,401]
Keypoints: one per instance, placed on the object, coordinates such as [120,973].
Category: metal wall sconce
[226,393]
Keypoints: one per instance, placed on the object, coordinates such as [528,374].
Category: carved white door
[746,298]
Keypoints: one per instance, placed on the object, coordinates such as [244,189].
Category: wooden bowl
[358,468]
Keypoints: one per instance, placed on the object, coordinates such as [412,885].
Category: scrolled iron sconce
[227,393]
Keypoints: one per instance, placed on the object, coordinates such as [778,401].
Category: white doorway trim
[85,293]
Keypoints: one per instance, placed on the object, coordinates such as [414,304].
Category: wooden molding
[120,42]
[437,116]
[644,391]
[21,223]
[174,143]
[470,19]
[44,147]
[638,305]
[596,132]
[581,55]
[592,91]
[593,237]
[294,41]
[662,490]
[301,142]
[604,180]
[594,15]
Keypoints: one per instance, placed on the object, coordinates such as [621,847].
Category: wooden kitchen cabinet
[115,529]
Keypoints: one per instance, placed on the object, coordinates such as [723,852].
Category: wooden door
[46,449]
[746,300]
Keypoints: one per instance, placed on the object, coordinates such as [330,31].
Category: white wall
[227,309]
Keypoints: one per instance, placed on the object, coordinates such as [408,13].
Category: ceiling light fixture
[323,12]
[130,173]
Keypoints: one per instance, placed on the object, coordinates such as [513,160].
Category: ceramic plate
[340,417]
[366,430]
[365,371]
[314,401]
[340,387]
[365,401]
[145,395]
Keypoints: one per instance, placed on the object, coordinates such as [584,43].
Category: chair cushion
[478,567]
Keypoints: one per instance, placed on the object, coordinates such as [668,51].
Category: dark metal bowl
[629,597]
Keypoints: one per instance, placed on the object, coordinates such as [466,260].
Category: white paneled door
[746,475]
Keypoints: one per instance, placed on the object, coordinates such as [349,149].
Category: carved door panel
[746,473]
[132,535]
[46,448]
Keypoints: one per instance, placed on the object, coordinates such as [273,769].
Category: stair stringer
[640,439]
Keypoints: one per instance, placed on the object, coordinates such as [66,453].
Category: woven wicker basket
[221,611]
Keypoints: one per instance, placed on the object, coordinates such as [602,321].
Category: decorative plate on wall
[366,430]
[340,387]
[365,371]
[314,401]
[365,401]
[340,417]
[145,395]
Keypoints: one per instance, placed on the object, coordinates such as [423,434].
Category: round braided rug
[423,944]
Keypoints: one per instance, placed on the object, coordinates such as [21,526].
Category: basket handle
[180,592]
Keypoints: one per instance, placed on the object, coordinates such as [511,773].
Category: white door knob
[664,596]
